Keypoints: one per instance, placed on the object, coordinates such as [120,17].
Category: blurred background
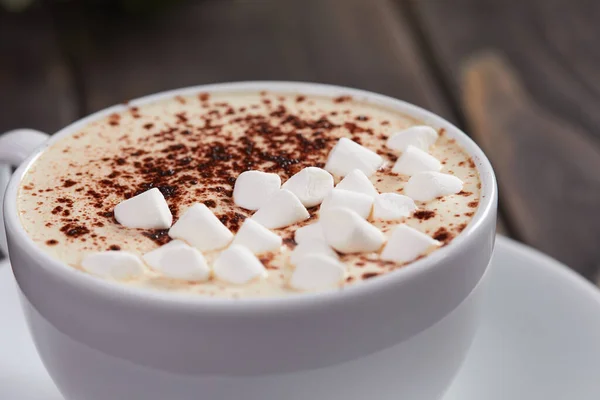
[521,77]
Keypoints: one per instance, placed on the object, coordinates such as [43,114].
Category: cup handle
[15,146]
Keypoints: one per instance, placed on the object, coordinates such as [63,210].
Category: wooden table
[521,77]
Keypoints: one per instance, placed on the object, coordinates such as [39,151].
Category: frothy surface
[192,149]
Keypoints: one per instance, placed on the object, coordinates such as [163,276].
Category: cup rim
[157,298]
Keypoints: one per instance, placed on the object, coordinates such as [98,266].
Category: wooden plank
[527,76]
[36,89]
[346,42]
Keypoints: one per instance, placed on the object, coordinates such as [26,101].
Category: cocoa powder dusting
[158,236]
[424,214]
[342,99]
[267,261]
[369,275]
[73,230]
[443,235]
[289,241]
[473,204]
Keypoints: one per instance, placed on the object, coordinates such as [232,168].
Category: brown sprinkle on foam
[443,235]
[369,275]
[342,99]
[424,215]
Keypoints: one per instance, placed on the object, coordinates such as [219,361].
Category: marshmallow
[311,247]
[118,265]
[282,209]
[422,137]
[310,185]
[426,186]
[317,272]
[391,206]
[148,210]
[348,232]
[178,260]
[199,227]
[256,237]
[406,244]
[348,155]
[358,202]
[415,160]
[309,232]
[357,181]
[238,265]
[253,188]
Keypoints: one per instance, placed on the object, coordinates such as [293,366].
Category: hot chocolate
[194,149]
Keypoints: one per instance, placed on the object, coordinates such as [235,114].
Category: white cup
[402,335]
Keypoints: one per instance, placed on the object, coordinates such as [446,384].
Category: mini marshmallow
[238,265]
[348,155]
[178,260]
[426,186]
[256,237]
[311,247]
[309,232]
[148,210]
[422,137]
[358,202]
[282,209]
[118,265]
[310,185]
[406,244]
[317,272]
[357,181]
[392,206]
[347,232]
[253,189]
[199,227]
[415,160]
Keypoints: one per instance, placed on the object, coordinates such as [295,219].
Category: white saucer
[539,340]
